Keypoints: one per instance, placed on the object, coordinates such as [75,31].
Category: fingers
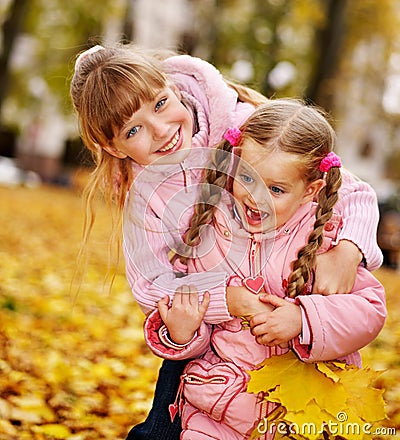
[274,300]
[260,318]
[265,340]
[204,304]
[163,307]
[258,328]
[186,295]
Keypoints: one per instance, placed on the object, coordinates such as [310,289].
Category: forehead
[270,163]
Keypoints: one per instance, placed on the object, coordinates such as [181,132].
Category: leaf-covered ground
[81,370]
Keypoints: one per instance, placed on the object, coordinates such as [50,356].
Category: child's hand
[242,302]
[185,315]
[344,258]
[279,326]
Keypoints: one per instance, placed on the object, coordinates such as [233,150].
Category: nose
[159,128]
[260,196]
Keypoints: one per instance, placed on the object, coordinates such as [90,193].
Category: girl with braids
[268,200]
[150,121]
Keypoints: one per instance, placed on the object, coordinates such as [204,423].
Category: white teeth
[172,144]
[262,214]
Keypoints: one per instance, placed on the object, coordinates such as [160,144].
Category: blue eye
[246,178]
[132,132]
[276,190]
[160,103]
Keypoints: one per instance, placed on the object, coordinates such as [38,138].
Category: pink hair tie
[233,135]
[87,53]
[329,161]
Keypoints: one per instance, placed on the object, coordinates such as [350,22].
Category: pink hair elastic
[329,161]
[87,53]
[233,135]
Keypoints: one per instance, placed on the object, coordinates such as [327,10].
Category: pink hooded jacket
[160,202]
[334,326]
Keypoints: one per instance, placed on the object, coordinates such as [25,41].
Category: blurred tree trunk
[128,29]
[272,14]
[10,30]
[328,43]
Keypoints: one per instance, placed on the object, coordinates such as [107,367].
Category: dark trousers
[158,425]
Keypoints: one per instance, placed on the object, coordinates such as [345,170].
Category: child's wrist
[168,341]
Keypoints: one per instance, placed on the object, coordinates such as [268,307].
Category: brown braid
[306,256]
[215,180]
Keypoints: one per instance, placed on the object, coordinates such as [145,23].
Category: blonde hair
[291,126]
[109,85]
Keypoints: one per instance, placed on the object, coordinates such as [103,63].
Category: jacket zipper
[252,256]
[187,181]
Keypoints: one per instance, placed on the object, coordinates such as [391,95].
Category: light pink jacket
[337,325]
[159,204]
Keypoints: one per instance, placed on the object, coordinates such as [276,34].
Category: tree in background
[308,48]
[10,30]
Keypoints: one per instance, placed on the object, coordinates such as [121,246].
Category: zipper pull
[253,249]
[176,407]
[252,256]
[187,181]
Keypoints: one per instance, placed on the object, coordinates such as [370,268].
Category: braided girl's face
[161,130]
[268,188]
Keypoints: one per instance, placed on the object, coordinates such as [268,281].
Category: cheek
[238,191]
[138,153]
[187,119]
[286,209]
[283,209]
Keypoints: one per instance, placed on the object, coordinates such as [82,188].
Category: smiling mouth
[255,216]
[171,144]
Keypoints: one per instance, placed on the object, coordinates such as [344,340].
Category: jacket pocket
[211,387]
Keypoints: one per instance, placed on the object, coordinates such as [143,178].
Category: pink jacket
[336,325]
[159,204]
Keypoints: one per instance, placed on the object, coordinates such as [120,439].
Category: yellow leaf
[308,423]
[292,374]
[328,368]
[367,401]
[315,395]
[53,430]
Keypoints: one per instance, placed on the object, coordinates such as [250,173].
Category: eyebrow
[245,167]
[123,130]
[284,184]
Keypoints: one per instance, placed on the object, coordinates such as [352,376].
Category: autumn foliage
[69,369]
[79,369]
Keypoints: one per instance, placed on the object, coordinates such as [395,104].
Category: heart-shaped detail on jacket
[173,409]
[254,284]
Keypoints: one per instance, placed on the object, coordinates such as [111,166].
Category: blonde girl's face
[268,188]
[159,132]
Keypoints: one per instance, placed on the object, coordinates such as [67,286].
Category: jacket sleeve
[343,323]
[194,349]
[149,271]
[358,207]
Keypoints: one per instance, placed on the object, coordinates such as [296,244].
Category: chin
[252,229]
[180,155]
[174,158]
